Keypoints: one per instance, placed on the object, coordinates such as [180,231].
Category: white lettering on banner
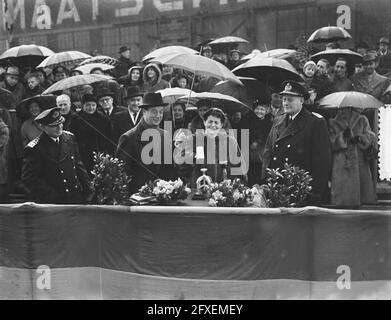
[16,9]
[72,13]
[38,12]
[44,19]
[163,5]
[95,9]
[196,3]
[344,280]
[134,8]
[345,19]
[44,280]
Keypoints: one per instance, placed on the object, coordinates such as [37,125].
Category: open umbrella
[329,34]
[25,56]
[67,58]
[228,39]
[272,71]
[170,95]
[333,54]
[199,65]
[253,54]
[226,102]
[86,69]
[251,90]
[346,99]
[101,59]
[76,81]
[168,50]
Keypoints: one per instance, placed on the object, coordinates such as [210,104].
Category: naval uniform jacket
[54,173]
[304,143]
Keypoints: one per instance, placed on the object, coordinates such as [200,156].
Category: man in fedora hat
[52,169]
[106,101]
[300,138]
[384,56]
[369,81]
[136,145]
[127,119]
[125,62]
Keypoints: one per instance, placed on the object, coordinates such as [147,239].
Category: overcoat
[304,143]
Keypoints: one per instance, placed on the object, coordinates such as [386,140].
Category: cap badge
[56,114]
[288,87]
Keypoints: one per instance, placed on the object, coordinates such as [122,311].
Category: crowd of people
[47,144]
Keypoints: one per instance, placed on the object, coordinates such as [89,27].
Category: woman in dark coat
[92,130]
[259,123]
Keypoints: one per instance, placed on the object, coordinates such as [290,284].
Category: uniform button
[276,145]
[65,180]
[274,158]
[288,146]
[62,171]
[66,190]
[286,159]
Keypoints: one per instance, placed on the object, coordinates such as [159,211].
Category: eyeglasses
[104,100]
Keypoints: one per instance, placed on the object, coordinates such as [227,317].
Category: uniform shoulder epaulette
[68,132]
[317,115]
[33,142]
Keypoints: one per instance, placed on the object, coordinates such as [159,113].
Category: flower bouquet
[288,187]
[110,182]
[165,192]
[233,193]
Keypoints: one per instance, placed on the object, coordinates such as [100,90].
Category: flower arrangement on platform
[110,182]
[233,193]
[165,191]
[288,187]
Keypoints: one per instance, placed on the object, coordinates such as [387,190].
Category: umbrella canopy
[272,71]
[225,102]
[333,54]
[76,81]
[169,50]
[252,89]
[329,34]
[86,69]
[199,65]
[353,99]
[170,95]
[228,39]
[69,58]
[101,59]
[26,55]
[253,54]
[279,53]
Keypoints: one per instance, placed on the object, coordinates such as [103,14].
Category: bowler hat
[50,117]
[105,92]
[88,97]
[134,92]
[235,50]
[152,99]
[384,40]
[123,49]
[294,88]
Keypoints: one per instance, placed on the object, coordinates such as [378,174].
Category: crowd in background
[99,114]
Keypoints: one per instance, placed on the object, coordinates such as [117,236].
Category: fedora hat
[134,92]
[152,99]
[105,92]
[88,97]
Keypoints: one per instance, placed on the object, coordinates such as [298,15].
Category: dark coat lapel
[295,126]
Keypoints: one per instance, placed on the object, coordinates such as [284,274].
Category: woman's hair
[179,104]
[217,113]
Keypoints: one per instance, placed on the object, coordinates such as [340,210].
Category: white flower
[218,195]
[212,203]
[236,196]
